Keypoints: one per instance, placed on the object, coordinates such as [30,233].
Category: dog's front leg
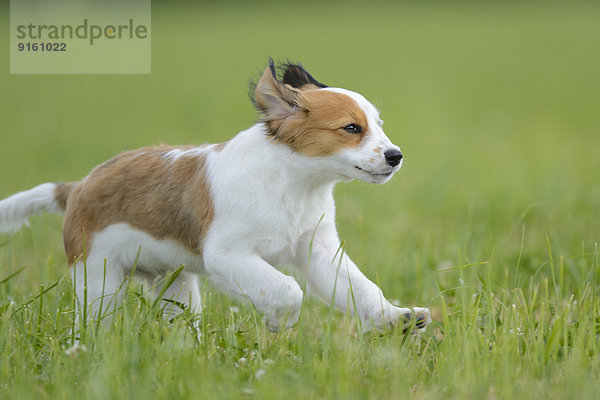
[332,275]
[248,277]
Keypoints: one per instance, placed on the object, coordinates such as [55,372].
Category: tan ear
[276,100]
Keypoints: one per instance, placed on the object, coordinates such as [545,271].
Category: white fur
[176,153]
[16,209]
[269,202]
[121,248]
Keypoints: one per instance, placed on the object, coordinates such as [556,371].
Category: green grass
[493,222]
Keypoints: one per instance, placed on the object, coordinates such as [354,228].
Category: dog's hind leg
[99,284]
[181,294]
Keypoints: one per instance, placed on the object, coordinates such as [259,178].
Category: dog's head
[335,125]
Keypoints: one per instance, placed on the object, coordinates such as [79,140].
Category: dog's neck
[298,172]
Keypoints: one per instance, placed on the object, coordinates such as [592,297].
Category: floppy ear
[296,76]
[276,100]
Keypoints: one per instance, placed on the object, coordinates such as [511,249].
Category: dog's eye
[353,128]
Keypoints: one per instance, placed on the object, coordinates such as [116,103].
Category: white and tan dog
[234,211]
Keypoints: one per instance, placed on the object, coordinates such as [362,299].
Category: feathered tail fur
[47,197]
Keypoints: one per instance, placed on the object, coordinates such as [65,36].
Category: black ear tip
[290,64]
[296,76]
[292,67]
[272,67]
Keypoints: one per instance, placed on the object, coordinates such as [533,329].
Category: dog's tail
[47,197]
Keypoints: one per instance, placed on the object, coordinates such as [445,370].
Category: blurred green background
[495,106]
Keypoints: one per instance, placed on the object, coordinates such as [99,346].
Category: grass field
[493,222]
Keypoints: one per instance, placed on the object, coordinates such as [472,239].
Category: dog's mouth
[376,174]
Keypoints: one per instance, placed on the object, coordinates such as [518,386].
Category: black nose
[393,157]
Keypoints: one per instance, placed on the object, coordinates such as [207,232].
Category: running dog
[235,211]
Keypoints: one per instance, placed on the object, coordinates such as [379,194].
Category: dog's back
[150,189]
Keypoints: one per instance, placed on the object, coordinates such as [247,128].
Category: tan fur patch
[317,129]
[308,86]
[62,192]
[162,196]
[310,121]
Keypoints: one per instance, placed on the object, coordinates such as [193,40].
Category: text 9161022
[41,46]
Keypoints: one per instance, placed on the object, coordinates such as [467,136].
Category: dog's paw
[272,324]
[416,317]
